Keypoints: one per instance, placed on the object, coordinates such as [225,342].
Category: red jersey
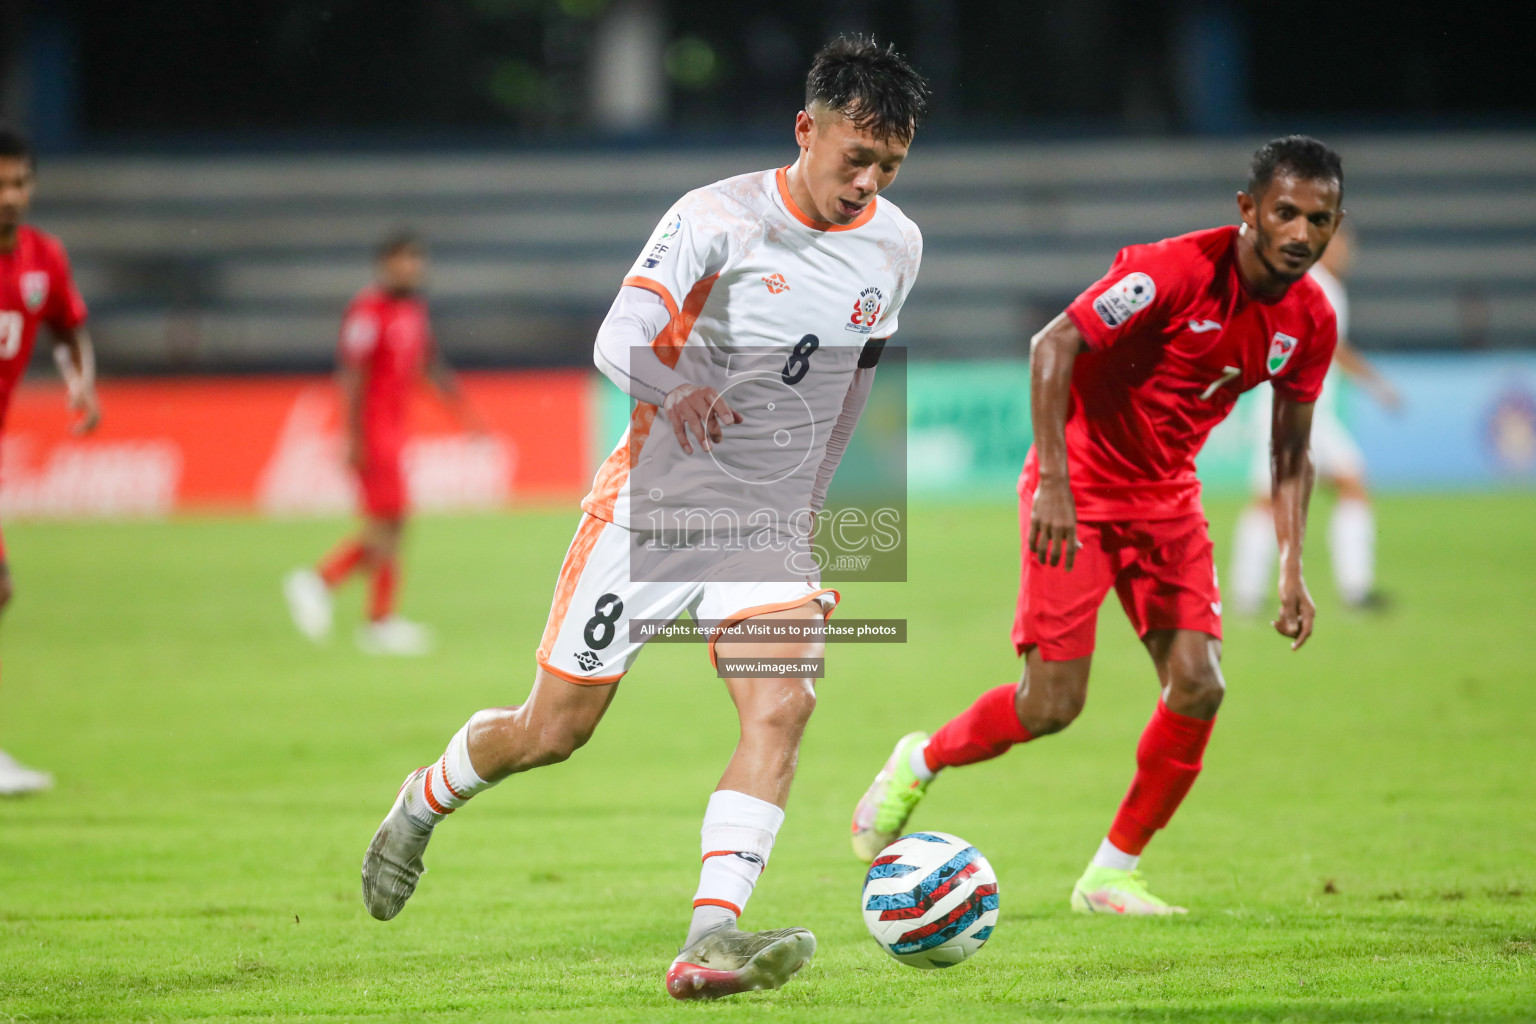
[389,339]
[35,287]
[1174,336]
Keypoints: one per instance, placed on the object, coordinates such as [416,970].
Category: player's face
[1291,223]
[403,269]
[843,168]
[15,193]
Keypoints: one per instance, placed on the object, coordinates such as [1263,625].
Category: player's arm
[349,378]
[75,357]
[1291,473]
[446,383]
[1053,515]
[623,353]
[1360,370]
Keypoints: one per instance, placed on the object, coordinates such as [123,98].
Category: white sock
[1111,856]
[448,783]
[919,764]
[1352,546]
[736,839]
[1254,550]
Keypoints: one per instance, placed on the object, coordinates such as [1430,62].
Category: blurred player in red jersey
[386,346]
[35,288]
[1125,387]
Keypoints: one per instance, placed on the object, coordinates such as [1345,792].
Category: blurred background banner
[274,444]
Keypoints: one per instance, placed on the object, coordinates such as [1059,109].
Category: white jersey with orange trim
[774,310]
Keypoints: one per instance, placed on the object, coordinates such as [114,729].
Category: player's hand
[1296,611]
[84,404]
[356,459]
[700,411]
[1387,395]
[1053,524]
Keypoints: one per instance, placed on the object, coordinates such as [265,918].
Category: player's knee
[1050,712]
[557,741]
[785,711]
[1196,687]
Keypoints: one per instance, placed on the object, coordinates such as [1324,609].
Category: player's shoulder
[1309,294]
[742,195]
[369,299]
[1192,252]
[48,246]
[890,219]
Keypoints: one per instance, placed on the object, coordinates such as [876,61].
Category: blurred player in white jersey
[748,331]
[1340,465]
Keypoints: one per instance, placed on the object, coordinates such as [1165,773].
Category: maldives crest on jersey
[1124,299]
[866,311]
[1281,346]
[34,289]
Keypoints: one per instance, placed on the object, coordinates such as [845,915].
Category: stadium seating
[231,262]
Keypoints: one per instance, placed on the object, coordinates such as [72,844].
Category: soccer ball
[930,899]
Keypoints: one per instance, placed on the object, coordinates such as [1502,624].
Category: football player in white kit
[1340,465]
[748,331]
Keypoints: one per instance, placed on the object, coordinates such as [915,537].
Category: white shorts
[587,637]
[1335,454]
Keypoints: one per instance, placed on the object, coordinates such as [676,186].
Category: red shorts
[1162,569]
[381,486]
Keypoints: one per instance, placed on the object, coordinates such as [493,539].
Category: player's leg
[1170,595]
[588,633]
[1053,628]
[386,632]
[1254,550]
[1352,543]
[1352,525]
[557,718]
[308,590]
[742,821]
[16,779]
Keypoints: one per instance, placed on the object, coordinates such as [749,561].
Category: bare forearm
[75,357]
[350,381]
[1052,355]
[1291,495]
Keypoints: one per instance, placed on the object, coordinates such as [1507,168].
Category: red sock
[381,599]
[341,562]
[979,733]
[1167,762]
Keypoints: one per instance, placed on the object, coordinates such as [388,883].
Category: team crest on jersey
[34,289]
[1280,348]
[1124,299]
[866,311]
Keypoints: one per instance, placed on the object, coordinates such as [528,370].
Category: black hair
[397,241]
[873,86]
[1298,155]
[15,144]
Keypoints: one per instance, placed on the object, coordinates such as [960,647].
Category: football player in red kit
[386,346]
[1126,385]
[35,288]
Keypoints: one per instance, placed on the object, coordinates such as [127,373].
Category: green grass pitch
[1359,847]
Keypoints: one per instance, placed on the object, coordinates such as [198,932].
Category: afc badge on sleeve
[1124,299]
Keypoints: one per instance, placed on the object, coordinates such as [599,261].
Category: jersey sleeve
[1302,380]
[66,309]
[359,335]
[906,278]
[1141,289]
[692,242]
